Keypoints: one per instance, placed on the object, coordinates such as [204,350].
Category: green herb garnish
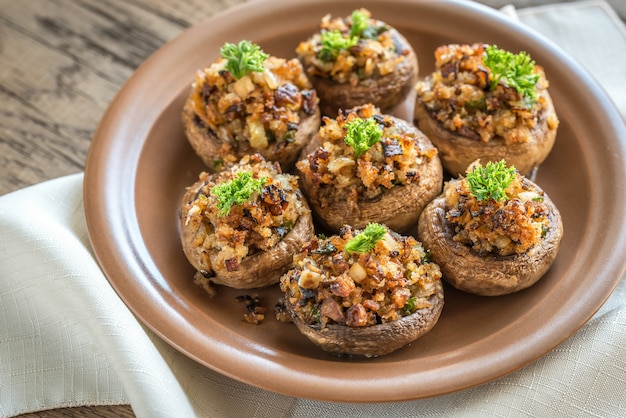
[217,164]
[360,23]
[490,181]
[367,239]
[362,27]
[324,248]
[361,134]
[409,306]
[332,44]
[237,191]
[513,70]
[284,229]
[243,58]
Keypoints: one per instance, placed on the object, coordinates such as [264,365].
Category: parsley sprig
[333,42]
[366,240]
[361,134]
[360,24]
[513,70]
[409,306]
[237,191]
[243,58]
[490,181]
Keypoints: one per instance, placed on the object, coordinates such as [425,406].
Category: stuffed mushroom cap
[363,292]
[241,227]
[357,59]
[349,181]
[492,246]
[271,110]
[472,107]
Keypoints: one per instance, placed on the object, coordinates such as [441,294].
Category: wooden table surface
[62,62]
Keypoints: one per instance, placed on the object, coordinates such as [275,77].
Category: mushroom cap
[457,152]
[398,208]
[208,146]
[374,340]
[260,269]
[385,92]
[487,275]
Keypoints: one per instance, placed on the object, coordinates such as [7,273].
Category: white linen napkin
[66,339]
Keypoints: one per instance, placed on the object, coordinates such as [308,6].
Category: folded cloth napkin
[66,339]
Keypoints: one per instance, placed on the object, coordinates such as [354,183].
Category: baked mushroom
[240,227]
[248,102]
[363,293]
[492,232]
[365,166]
[357,59]
[485,103]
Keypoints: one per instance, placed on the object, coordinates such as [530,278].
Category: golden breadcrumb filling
[503,227]
[368,58]
[457,94]
[395,160]
[257,110]
[255,225]
[329,285]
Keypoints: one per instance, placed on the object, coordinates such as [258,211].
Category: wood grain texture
[117,411]
[63,61]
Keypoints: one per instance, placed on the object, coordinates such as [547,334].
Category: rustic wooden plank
[62,64]
[117,411]
[186,13]
[40,136]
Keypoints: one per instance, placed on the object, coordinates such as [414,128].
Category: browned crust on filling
[376,340]
[397,203]
[253,245]
[385,92]
[457,152]
[273,113]
[381,70]
[469,118]
[487,274]
[368,304]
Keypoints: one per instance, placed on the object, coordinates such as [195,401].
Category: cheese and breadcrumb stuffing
[338,173]
[501,226]
[334,281]
[350,49]
[227,233]
[465,96]
[255,111]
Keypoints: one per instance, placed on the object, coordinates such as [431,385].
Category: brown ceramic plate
[140,163]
